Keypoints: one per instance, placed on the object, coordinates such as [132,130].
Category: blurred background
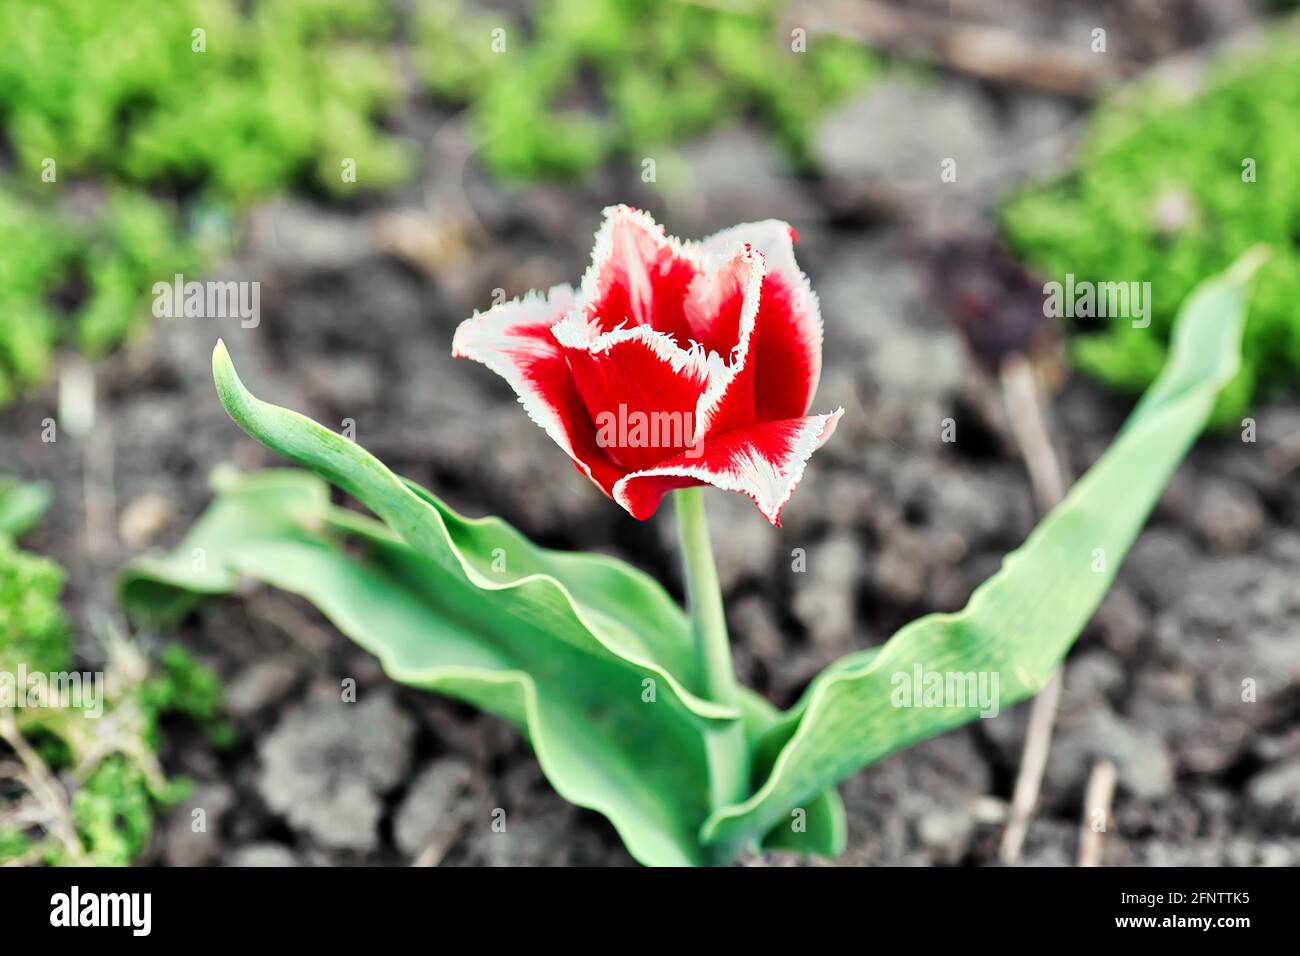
[383,168]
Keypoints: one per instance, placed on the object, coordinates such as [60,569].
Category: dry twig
[988,52]
[1096,810]
[1029,425]
[42,785]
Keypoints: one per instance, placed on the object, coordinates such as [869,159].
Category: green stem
[704,598]
[728,749]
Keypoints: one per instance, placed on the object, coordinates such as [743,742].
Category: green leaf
[562,645]
[605,588]
[642,764]
[1018,624]
[818,827]
[546,599]
[21,505]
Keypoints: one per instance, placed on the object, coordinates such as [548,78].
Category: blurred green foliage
[113,809]
[21,505]
[113,814]
[144,116]
[82,280]
[665,71]
[104,815]
[33,629]
[1161,194]
[256,102]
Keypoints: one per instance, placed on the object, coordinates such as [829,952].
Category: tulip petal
[515,341]
[786,351]
[729,297]
[764,462]
[638,388]
[677,364]
[638,275]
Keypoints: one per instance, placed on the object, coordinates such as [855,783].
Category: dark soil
[895,523]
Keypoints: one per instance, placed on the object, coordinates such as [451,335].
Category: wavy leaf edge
[1161,401]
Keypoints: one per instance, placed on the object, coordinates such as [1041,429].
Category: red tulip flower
[676,364]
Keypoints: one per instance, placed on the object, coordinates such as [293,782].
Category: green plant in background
[33,629]
[268,97]
[599,668]
[242,99]
[77,789]
[666,71]
[1168,190]
[33,260]
[79,279]
[21,505]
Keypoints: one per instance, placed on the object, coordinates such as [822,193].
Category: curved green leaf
[821,829]
[603,587]
[1018,624]
[820,826]
[642,764]
[563,645]
[543,598]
